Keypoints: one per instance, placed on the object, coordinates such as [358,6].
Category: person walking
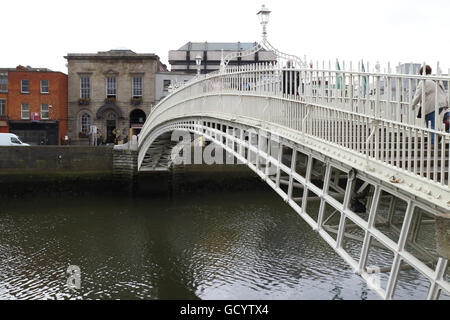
[93,135]
[427,107]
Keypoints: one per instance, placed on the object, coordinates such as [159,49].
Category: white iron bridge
[346,139]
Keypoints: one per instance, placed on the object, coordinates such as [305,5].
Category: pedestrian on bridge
[290,79]
[427,107]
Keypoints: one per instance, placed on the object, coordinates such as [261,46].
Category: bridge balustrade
[364,112]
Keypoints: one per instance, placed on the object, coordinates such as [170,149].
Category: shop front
[36,133]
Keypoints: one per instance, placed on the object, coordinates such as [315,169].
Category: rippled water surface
[222,246]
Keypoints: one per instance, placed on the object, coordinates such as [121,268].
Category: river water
[234,245]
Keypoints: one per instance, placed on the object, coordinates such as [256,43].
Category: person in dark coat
[291,79]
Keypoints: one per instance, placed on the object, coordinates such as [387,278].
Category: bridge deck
[334,137]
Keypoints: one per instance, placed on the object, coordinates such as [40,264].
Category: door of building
[110,126]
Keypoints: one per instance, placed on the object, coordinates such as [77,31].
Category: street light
[198,61]
[263,15]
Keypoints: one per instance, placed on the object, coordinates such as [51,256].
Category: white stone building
[113,90]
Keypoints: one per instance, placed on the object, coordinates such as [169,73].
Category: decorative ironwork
[383,177]
[290,60]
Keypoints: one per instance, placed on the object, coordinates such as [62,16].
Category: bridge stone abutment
[124,168]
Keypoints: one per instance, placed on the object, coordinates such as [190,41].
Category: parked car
[10,139]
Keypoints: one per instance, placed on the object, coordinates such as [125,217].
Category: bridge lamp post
[198,61]
[263,16]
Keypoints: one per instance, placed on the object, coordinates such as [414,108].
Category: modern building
[164,80]
[183,59]
[112,90]
[33,104]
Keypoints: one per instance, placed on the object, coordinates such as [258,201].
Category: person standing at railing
[290,79]
[427,106]
[245,84]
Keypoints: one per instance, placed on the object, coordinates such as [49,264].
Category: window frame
[164,85]
[85,89]
[5,90]
[136,89]
[42,111]
[88,122]
[3,107]
[48,86]
[113,82]
[22,111]
[22,85]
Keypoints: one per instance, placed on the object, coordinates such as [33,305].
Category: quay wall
[54,159]
[84,170]
[49,170]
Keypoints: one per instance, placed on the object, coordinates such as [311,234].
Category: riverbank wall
[41,170]
[84,170]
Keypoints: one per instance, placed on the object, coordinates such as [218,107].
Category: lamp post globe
[263,16]
[198,61]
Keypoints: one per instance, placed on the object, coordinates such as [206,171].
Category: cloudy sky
[40,33]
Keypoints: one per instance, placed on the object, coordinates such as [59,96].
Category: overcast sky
[40,33]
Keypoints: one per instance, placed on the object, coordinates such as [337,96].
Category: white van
[10,139]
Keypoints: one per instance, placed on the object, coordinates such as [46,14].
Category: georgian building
[113,90]
[33,104]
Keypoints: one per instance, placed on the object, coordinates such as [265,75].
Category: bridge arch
[348,144]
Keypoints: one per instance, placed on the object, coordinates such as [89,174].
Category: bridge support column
[125,167]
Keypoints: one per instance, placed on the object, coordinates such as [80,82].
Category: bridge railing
[365,112]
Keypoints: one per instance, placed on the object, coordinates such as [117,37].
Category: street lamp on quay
[198,61]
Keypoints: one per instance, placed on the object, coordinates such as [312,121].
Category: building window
[2,107]
[85,122]
[85,87]
[166,85]
[111,87]
[25,111]
[44,111]
[44,86]
[3,84]
[25,86]
[137,87]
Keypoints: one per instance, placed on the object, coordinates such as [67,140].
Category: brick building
[33,104]
[4,128]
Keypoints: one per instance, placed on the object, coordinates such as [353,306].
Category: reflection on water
[224,246]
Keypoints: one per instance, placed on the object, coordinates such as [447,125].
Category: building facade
[33,104]
[111,90]
[164,80]
[4,125]
[183,59]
